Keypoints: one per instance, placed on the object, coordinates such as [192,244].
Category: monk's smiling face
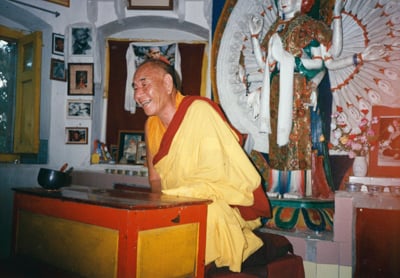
[154,91]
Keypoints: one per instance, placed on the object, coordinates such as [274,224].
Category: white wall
[55,92]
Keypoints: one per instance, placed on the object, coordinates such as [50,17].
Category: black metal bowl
[53,179]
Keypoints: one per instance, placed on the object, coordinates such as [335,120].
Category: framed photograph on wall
[80,79]
[150,4]
[58,44]
[76,135]
[128,142]
[57,70]
[60,2]
[384,159]
[79,109]
[81,38]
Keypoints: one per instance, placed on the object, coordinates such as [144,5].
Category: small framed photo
[150,4]
[58,44]
[384,158]
[81,40]
[60,2]
[80,79]
[128,146]
[79,109]
[57,70]
[76,135]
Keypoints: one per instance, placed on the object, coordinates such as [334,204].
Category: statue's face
[289,6]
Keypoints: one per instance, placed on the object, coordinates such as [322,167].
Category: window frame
[27,114]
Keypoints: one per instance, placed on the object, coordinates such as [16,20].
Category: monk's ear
[168,82]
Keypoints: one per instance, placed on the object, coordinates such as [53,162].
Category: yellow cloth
[206,161]
[157,129]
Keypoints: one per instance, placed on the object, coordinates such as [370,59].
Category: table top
[124,199]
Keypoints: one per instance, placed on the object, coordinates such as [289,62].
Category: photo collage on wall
[73,62]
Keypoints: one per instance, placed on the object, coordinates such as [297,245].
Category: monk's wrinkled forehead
[147,71]
[146,74]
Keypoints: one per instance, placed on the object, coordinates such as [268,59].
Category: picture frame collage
[72,62]
[77,47]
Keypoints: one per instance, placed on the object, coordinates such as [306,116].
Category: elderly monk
[192,151]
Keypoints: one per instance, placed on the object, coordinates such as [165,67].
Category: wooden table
[111,233]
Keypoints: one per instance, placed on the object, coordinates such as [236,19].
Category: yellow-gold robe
[200,156]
